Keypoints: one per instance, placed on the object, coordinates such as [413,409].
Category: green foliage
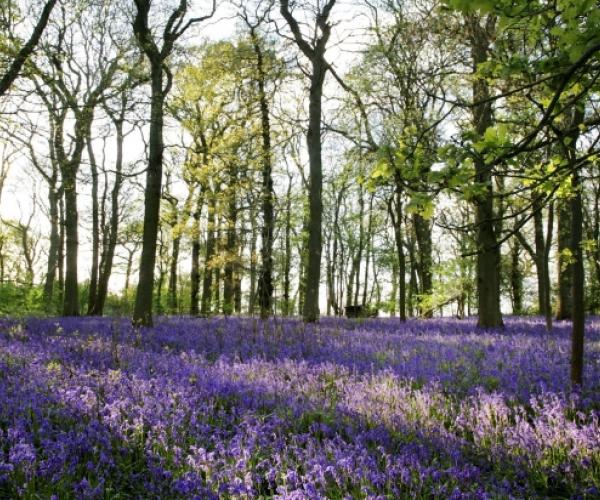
[20,300]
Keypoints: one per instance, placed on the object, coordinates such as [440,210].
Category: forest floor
[238,408]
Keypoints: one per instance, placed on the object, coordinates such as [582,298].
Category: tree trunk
[195,272]
[207,282]
[265,279]
[368,250]
[564,305]
[172,290]
[61,248]
[423,236]
[231,248]
[142,314]
[488,249]
[577,285]
[516,278]
[71,294]
[113,231]
[395,211]
[287,306]
[93,290]
[53,204]
[577,266]
[310,312]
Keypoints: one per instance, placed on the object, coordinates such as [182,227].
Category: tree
[79,86]
[262,77]
[313,47]
[176,25]
[15,66]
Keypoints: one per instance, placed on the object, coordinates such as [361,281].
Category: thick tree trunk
[488,256]
[310,311]
[423,236]
[564,305]
[71,295]
[142,313]
[265,280]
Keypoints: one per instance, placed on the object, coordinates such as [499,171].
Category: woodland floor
[237,408]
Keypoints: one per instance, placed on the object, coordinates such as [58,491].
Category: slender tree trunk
[195,272]
[162,250]
[207,282]
[577,284]
[577,266]
[516,278]
[113,231]
[368,250]
[14,68]
[394,291]
[287,306]
[61,248]
[128,271]
[395,211]
[172,290]
[142,313]
[231,249]
[93,290]
[53,204]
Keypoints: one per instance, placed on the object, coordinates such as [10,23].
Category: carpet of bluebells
[238,408]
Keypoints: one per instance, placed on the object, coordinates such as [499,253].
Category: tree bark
[195,272]
[577,284]
[93,289]
[287,266]
[113,230]
[423,236]
[564,305]
[577,266]
[319,67]
[265,279]
[231,247]
[142,313]
[488,249]
[516,278]
[395,211]
[207,282]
